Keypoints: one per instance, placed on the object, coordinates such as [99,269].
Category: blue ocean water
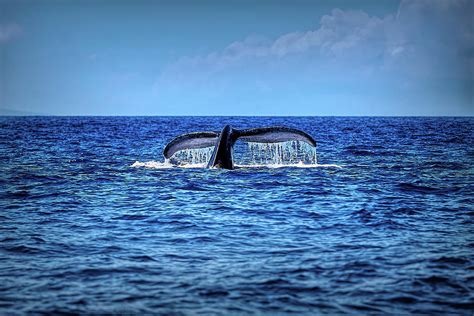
[390,232]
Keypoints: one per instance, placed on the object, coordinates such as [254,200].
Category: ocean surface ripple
[390,232]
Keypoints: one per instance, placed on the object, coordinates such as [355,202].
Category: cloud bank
[426,46]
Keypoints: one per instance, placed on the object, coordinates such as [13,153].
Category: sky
[143,57]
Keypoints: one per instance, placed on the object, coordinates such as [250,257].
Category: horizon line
[228,115]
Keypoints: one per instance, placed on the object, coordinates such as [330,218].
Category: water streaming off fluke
[199,156]
[253,154]
[284,153]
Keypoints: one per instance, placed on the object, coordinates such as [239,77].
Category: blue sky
[61,57]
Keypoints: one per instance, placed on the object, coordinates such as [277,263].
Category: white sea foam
[168,165]
[290,165]
[165,165]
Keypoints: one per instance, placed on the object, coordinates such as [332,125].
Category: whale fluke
[223,142]
[190,141]
[274,134]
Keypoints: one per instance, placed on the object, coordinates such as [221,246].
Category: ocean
[93,221]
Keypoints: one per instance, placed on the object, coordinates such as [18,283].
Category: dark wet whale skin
[224,141]
[222,155]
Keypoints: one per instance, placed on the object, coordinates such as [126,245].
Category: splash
[168,165]
[153,164]
[290,153]
[188,158]
[165,165]
[200,156]
[295,165]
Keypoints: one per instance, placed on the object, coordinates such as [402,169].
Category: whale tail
[273,134]
[190,141]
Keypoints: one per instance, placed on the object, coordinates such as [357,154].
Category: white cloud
[338,33]
[9,31]
[434,37]
[426,27]
[342,38]
[423,41]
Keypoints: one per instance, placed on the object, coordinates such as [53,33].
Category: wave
[423,189]
[167,165]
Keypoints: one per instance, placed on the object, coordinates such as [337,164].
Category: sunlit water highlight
[390,232]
